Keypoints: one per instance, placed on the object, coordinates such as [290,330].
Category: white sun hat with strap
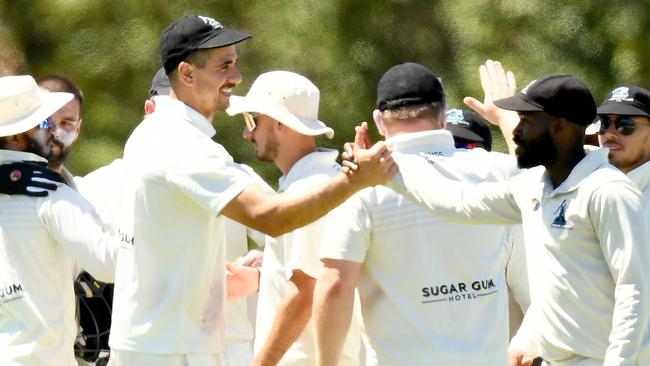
[23,105]
[287,97]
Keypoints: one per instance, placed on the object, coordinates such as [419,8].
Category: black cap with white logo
[561,95]
[467,126]
[627,101]
[193,32]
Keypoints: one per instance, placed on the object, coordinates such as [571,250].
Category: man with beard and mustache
[43,238]
[583,225]
[67,119]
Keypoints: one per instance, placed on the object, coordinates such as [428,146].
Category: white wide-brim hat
[23,105]
[287,97]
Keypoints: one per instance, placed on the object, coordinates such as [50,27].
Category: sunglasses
[249,119]
[624,125]
[47,124]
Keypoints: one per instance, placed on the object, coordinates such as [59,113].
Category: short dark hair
[60,83]
[197,57]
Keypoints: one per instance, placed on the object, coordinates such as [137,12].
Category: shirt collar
[316,159]
[591,162]
[168,105]
[415,142]
[13,155]
[641,176]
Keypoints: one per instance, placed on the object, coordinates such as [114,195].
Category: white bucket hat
[23,105]
[287,97]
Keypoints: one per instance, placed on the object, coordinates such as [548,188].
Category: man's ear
[185,72]
[558,125]
[379,121]
[149,106]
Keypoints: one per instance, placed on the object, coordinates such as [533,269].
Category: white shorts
[128,358]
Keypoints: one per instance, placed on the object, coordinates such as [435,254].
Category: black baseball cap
[469,126]
[627,101]
[193,32]
[408,84]
[561,95]
[159,84]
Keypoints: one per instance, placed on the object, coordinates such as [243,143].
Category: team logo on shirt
[126,238]
[559,220]
[432,157]
[458,291]
[11,292]
[536,204]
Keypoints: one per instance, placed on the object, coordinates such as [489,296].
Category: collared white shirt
[588,236]
[102,187]
[298,250]
[432,292]
[170,285]
[41,239]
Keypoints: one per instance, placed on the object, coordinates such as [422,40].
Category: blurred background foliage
[110,49]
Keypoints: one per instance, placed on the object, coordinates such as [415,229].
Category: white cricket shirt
[298,250]
[41,240]
[590,297]
[170,284]
[432,292]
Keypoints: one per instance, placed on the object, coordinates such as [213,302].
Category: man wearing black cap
[178,186]
[583,225]
[469,129]
[411,267]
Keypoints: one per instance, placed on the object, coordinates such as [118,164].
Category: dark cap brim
[226,37]
[518,103]
[464,133]
[621,109]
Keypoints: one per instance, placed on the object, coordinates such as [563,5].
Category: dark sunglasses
[623,124]
[47,124]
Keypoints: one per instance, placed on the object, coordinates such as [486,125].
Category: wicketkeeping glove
[28,178]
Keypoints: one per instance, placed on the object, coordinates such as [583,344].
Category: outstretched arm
[497,84]
[278,214]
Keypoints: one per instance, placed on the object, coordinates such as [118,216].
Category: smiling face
[535,145]
[627,152]
[213,76]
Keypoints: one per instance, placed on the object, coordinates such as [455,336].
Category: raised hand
[28,178]
[372,166]
[497,84]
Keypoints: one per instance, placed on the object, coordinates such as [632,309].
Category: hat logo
[455,117]
[525,89]
[211,22]
[621,94]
